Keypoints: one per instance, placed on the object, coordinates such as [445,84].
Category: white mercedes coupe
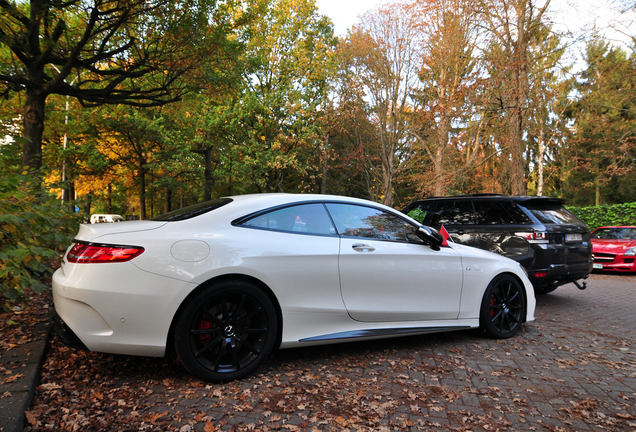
[227,281]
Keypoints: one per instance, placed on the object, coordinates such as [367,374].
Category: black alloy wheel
[226,331]
[503,307]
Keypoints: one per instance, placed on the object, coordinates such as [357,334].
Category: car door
[387,274]
[296,248]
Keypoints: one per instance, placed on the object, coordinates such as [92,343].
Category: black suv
[550,242]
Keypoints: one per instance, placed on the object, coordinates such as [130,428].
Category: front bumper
[619,264]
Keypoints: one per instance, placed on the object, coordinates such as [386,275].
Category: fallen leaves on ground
[456,381]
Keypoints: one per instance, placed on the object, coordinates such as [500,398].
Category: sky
[344,13]
[574,15]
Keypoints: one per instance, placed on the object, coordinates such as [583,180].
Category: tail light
[94,253]
[534,237]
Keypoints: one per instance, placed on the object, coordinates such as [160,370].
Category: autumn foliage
[421,97]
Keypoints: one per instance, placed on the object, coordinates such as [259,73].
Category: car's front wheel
[226,331]
[503,307]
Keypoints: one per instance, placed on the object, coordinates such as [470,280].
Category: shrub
[606,215]
[34,231]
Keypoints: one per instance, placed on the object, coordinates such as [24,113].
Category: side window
[422,211]
[516,213]
[360,221]
[453,213]
[493,213]
[304,218]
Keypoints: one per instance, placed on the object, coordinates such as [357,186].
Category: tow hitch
[578,285]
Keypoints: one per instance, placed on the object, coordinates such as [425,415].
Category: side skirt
[381,333]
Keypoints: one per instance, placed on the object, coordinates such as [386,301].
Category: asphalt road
[573,369]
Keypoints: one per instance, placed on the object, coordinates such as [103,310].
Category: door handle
[359,247]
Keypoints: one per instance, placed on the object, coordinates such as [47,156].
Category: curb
[18,387]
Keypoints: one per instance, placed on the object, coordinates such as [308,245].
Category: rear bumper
[114,308]
[65,333]
[559,274]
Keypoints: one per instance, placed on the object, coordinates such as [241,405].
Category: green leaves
[604,141]
[34,230]
[606,215]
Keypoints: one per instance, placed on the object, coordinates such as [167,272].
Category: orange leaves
[153,417]
[209,427]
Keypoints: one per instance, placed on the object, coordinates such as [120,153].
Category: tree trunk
[168,202]
[142,189]
[109,200]
[516,152]
[207,186]
[325,166]
[88,200]
[438,163]
[519,99]
[70,194]
[33,121]
[540,161]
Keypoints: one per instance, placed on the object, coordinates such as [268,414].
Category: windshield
[193,210]
[615,234]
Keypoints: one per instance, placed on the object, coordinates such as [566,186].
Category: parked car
[102,218]
[614,248]
[227,281]
[550,242]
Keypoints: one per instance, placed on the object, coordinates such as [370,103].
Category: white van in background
[99,218]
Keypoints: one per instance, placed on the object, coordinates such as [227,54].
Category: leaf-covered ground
[558,374]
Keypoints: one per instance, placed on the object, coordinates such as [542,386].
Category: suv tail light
[534,237]
[89,253]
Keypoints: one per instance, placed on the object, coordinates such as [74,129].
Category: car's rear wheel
[503,307]
[226,331]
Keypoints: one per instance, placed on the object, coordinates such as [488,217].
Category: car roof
[289,198]
[244,205]
[498,197]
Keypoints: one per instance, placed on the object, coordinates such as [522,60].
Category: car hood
[92,232]
[612,246]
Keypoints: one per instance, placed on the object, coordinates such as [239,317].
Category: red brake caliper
[204,324]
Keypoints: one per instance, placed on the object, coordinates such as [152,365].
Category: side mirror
[431,236]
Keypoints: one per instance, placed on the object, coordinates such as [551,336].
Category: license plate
[597,266]
[573,237]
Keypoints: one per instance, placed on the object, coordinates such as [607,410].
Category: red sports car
[614,248]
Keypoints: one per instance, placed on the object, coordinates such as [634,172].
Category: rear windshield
[551,213]
[193,210]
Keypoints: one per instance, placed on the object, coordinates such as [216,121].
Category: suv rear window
[550,213]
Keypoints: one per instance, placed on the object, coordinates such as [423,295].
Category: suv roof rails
[496,195]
